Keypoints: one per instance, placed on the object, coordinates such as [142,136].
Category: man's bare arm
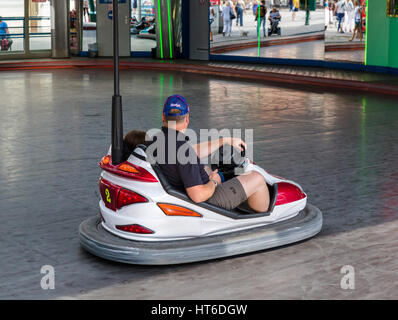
[206,148]
[203,192]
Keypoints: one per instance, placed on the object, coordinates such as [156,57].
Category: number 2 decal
[108,195]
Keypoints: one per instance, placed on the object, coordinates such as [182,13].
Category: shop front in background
[25,28]
[137,27]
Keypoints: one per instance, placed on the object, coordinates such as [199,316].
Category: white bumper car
[144,220]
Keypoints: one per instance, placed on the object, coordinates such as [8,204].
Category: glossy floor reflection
[346,56]
[342,148]
[314,50]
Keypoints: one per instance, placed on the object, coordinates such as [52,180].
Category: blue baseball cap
[175,102]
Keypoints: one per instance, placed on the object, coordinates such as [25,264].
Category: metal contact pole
[117,117]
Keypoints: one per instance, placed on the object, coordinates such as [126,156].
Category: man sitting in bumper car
[200,182]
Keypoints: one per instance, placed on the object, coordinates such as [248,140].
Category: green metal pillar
[164,29]
[307,13]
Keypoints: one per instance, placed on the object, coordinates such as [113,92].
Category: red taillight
[127,170]
[109,193]
[127,197]
[288,193]
[135,228]
[115,197]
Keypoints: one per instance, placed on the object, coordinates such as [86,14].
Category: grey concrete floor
[341,147]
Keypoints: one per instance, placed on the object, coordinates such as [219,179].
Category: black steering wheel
[228,158]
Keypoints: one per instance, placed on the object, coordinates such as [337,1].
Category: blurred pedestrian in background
[349,15]
[239,8]
[295,8]
[227,13]
[261,14]
[358,21]
[86,16]
[212,16]
[255,5]
[340,13]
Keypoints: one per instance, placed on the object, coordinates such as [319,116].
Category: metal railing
[40,34]
[22,34]
[19,30]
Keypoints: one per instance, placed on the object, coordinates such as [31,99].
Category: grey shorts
[228,195]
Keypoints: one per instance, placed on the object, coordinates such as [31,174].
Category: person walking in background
[340,12]
[255,5]
[358,25]
[326,7]
[261,14]
[212,16]
[135,6]
[350,15]
[333,12]
[85,11]
[226,14]
[295,8]
[330,11]
[239,8]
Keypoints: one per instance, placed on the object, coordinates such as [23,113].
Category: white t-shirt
[211,15]
[357,13]
[341,7]
[349,6]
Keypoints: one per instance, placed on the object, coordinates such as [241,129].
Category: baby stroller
[274,28]
[6,44]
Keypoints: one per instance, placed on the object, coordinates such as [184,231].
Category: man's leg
[256,191]
[241,17]
[264,26]
[258,26]
[342,23]
[340,27]
[259,22]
